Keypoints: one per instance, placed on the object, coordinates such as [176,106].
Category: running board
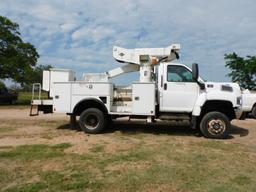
[174,117]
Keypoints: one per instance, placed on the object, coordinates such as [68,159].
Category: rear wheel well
[225,107]
[89,103]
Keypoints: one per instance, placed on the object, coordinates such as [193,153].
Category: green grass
[33,152]
[170,165]
[97,149]
[33,187]
[7,129]
[24,98]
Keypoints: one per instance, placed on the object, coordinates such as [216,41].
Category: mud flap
[194,122]
[45,108]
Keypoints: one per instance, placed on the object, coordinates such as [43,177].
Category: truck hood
[223,87]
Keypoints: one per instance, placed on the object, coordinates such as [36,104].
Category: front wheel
[92,120]
[215,125]
[254,111]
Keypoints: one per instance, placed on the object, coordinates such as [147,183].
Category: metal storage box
[143,98]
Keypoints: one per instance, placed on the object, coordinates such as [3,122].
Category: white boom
[141,55]
[140,59]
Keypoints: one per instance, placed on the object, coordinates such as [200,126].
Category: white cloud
[93,33]
[68,27]
[80,34]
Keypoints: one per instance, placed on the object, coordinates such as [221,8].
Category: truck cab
[175,84]
[180,92]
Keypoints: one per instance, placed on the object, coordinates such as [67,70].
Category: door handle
[165,86]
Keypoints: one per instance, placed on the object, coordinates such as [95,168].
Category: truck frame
[165,91]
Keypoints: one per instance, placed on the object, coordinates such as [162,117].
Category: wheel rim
[91,121]
[216,126]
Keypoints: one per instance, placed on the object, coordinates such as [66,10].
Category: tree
[2,85]
[243,70]
[37,74]
[17,58]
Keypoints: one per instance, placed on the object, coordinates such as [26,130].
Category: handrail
[39,90]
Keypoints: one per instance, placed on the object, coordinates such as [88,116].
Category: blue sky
[80,34]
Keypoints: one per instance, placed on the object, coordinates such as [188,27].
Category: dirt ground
[42,153]
[18,128]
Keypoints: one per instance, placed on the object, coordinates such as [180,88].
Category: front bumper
[238,112]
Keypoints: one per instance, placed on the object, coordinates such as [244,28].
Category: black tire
[215,125]
[92,120]
[254,111]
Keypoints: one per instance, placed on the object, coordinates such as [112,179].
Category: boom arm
[140,59]
[139,56]
[121,70]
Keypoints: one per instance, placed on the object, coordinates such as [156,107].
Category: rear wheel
[92,120]
[215,125]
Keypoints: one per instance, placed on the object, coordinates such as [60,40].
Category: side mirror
[195,75]
[195,71]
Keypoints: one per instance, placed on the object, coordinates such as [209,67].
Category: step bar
[39,104]
[44,105]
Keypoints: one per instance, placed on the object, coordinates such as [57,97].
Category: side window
[178,74]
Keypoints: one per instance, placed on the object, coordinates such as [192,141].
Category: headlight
[239,100]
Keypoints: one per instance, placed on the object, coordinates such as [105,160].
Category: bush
[2,85]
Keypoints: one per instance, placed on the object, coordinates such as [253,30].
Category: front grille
[226,88]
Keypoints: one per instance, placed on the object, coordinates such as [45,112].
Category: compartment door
[62,97]
[143,98]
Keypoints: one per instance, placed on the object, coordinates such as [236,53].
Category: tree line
[243,70]
[18,60]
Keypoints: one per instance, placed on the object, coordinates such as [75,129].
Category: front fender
[221,97]
[199,103]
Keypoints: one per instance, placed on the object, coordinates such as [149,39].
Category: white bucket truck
[249,103]
[165,91]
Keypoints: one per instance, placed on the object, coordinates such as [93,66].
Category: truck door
[179,90]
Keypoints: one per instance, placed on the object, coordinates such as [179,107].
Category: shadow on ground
[170,128]
[134,127]
[242,132]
